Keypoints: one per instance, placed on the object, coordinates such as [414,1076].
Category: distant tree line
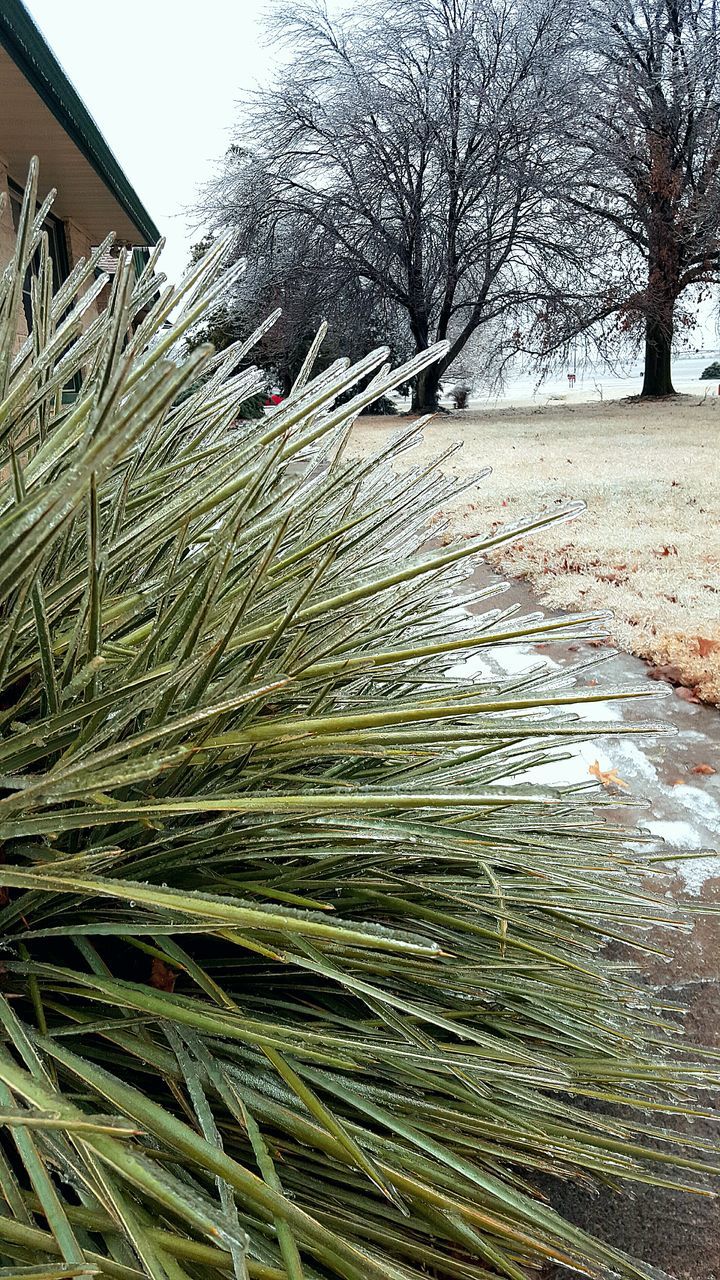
[514,178]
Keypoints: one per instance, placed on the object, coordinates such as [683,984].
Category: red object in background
[272,401]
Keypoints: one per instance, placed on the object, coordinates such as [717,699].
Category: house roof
[43,115]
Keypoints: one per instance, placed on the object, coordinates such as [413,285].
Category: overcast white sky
[160,78]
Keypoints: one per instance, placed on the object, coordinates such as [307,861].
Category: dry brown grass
[648,547]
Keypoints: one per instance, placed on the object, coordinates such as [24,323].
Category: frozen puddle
[683,818]
[682,837]
[518,660]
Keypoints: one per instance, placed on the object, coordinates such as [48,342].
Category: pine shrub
[299,977]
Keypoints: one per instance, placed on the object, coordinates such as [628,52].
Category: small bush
[460,394]
[382,407]
[253,406]
[712,370]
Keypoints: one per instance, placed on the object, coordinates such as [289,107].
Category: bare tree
[424,141]
[650,133]
[292,270]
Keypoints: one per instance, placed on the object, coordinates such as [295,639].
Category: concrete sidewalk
[677,1233]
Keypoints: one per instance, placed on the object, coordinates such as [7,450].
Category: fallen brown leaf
[608,777]
[687,695]
[705,769]
[706,647]
[162,977]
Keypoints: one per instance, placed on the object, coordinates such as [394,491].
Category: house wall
[77,243]
[7,241]
[7,232]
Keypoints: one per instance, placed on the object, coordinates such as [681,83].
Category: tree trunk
[658,353]
[662,286]
[426,389]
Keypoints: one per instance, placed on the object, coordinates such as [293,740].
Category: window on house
[56,244]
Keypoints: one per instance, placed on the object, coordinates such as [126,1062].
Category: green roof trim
[22,40]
